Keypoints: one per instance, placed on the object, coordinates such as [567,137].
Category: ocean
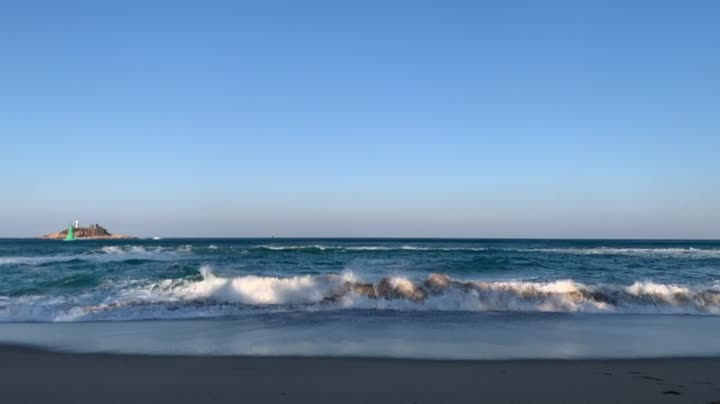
[410,298]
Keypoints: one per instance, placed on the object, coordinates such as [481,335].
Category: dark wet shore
[31,376]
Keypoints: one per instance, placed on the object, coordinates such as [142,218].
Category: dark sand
[35,376]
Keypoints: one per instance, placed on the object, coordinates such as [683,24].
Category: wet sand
[32,376]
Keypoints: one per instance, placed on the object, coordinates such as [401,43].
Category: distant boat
[156,238]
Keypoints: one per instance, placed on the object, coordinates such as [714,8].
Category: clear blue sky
[361,118]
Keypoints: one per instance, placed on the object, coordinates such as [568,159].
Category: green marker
[70,234]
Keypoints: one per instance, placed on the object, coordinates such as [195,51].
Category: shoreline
[29,374]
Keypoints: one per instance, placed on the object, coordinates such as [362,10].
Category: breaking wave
[211,295]
[441,292]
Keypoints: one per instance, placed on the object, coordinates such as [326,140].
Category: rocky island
[91,232]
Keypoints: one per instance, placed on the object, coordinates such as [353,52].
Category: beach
[30,375]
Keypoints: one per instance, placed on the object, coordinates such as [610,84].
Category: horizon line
[371,238]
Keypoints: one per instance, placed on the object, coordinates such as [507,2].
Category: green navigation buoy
[70,234]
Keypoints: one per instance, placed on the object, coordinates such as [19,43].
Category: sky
[562,119]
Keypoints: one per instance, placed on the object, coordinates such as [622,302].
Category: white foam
[252,289]
[36,260]
[131,249]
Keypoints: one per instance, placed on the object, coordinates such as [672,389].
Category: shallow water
[458,335]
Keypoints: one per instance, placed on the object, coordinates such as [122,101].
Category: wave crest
[103,254]
[437,292]
[259,290]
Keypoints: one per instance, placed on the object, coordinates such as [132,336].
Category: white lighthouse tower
[77,223]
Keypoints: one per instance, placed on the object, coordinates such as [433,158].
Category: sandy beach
[30,376]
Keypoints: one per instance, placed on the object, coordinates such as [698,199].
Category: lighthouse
[77,223]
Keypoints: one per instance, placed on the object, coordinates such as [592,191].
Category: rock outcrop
[94,231]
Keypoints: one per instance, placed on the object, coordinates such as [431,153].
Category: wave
[649,251]
[141,250]
[212,295]
[440,292]
[36,260]
[320,247]
[689,252]
[255,290]
[104,254]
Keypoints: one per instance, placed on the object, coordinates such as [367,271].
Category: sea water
[414,298]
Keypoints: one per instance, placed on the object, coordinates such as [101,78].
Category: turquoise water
[414,298]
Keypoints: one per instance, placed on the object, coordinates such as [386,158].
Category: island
[91,232]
